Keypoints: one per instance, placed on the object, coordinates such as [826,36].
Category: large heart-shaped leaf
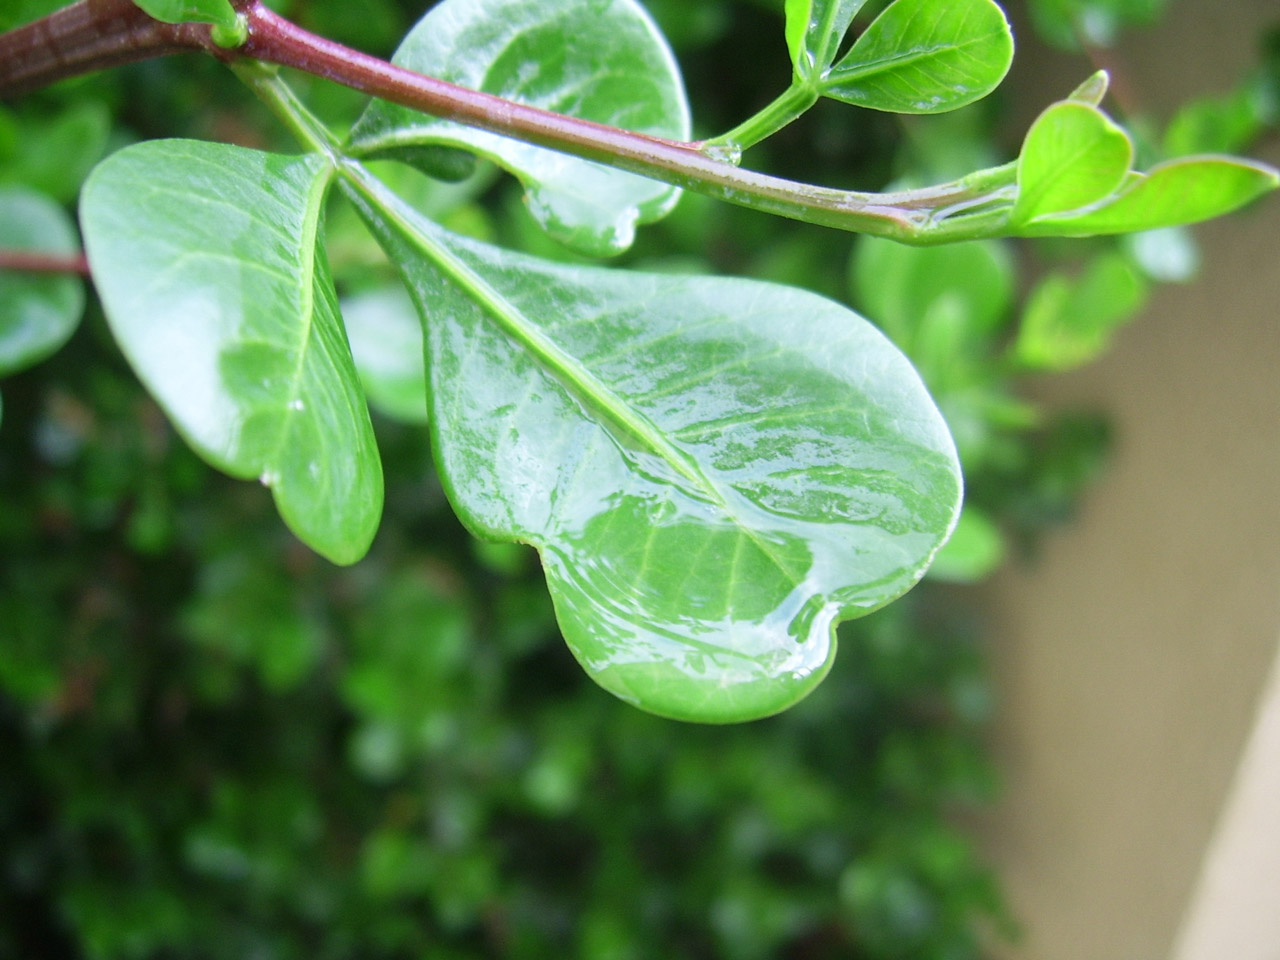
[925,56]
[602,60]
[207,260]
[38,312]
[814,30]
[1170,194]
[1073,155]
[715,471]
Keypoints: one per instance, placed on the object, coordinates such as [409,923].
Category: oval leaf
[207,262]
[38,311]
[1170,194]
[715,471]
[602,60]
[925,56]
[1072,156]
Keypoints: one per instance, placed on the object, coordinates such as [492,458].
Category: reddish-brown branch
[27,262]
[87,36]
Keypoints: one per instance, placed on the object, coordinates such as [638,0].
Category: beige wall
[1131,655]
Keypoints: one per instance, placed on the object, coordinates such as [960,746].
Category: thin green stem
[96,33]
[279,97]
[793,103]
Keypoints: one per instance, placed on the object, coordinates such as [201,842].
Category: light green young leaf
[38,312]
[1170,194]
[1069,322]
[925,56]
[207,261]
[715,471]
[814,30]
[1094,90]
[386,341]
[1073,155]
[602,60]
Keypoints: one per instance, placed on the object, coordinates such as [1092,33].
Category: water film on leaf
[715,471]
[208,263]
[925,56]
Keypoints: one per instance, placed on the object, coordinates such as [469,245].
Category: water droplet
[269,478]
[724,152]
[297,405]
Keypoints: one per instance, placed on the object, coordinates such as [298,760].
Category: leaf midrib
[869,68]
[551,357]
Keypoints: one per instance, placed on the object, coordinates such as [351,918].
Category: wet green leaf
[925,56]
[38,312]
[715,471]
[1168,195]
[386,341]
[1070,321]
[814,30]
[602,60]
[1073,155]
[207,263]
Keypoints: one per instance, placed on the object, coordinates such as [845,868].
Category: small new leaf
[1073,155]
[1170,194]
[925,56]
[207,262]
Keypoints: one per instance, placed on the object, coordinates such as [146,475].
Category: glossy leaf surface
[715,471]
[207,262]
[814,30]
[1168,195]
[1073,155]
[925,56]
[38,312]
[602,60]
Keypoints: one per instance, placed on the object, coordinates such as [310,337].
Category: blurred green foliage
[214,744]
